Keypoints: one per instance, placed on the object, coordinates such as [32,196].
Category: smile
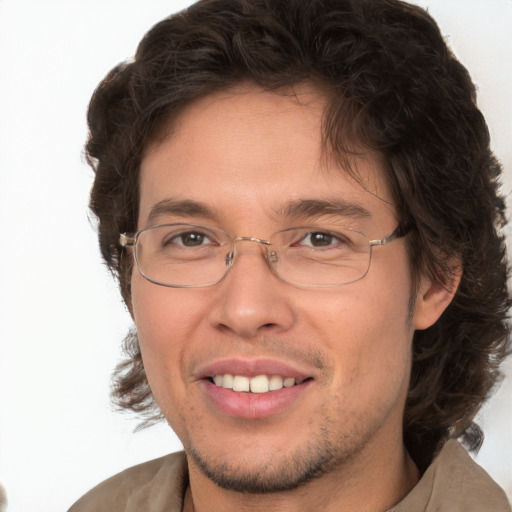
[253,388]
[258,384]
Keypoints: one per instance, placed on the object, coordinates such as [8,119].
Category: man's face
[246,156]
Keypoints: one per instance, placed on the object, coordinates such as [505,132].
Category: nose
[251,300]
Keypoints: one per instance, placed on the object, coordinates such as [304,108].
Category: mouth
[251,389]
[260,384]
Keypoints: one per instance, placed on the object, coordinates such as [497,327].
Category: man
[299,201]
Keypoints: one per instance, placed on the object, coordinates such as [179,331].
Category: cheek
[165,319]
[163,316]
[367,333]
[387,329]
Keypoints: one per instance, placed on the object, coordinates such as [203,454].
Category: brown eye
[319,239]
[191,239]
[323,239]
[186,239]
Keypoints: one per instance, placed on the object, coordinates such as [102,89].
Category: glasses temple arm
[126,240]
[399,232]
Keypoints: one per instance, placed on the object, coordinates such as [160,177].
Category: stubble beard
[284,472]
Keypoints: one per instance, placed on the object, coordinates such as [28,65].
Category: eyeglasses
[189,255]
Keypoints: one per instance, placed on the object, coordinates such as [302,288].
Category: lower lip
[253,405]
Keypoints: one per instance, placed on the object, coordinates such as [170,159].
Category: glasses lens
[320,257]
[182,255]
[187,255]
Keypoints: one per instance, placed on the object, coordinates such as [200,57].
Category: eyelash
[332,238]
[180,236]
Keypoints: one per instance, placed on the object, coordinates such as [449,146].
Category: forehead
[254,151]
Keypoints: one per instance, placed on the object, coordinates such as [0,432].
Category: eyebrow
[180,208]
[300,208]
[310,208]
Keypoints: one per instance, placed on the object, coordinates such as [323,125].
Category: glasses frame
[130,240]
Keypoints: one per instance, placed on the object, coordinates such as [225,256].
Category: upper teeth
[259,384]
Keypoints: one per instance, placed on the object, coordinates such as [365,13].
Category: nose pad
[229,259]
[272,257]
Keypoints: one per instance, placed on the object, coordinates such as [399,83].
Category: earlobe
[434,296]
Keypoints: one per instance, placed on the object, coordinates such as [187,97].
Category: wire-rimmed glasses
[191,256]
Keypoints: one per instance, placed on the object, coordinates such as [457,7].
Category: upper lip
[250,368]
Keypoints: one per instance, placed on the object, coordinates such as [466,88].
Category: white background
[61,318]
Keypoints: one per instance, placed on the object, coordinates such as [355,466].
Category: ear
[434,296]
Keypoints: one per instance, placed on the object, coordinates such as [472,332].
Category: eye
[321,239]
[189,239]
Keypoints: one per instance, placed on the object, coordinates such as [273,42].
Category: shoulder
[156,486]
[455,482]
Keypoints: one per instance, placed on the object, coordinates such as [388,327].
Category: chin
[276,471]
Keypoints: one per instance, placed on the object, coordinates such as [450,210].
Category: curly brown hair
[392,85]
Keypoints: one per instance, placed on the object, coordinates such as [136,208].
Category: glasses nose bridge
[250,239]
[231,256]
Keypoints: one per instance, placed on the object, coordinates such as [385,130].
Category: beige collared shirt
[452,483]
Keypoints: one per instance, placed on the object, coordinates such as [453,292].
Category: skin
[244,153]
